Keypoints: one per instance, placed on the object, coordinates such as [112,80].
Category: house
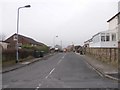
[22,40]
[114,24]
[119,6]
[108,38]
[3,45]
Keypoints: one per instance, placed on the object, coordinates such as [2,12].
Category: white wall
[95,44]
[109,44]
[113,23]
[104,44]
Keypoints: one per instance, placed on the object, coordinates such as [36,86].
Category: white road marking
[59,61]
[37,88]
[50,73]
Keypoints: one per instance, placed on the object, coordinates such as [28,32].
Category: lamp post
[27,6]
[61,43]
[54,40]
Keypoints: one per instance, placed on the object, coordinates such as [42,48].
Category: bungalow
[109,38]
[22,40]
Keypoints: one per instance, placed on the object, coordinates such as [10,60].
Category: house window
[15,37]
[113,37]
[107,37]
[103,37]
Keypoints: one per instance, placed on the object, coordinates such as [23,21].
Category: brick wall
[107,55]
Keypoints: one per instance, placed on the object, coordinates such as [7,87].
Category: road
[63,70]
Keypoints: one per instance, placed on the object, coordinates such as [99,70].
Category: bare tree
[2,37]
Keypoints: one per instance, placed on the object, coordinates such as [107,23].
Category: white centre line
[37,88]
[59,61]
[50,73]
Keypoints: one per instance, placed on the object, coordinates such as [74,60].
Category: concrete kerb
[100,72]
[35,60]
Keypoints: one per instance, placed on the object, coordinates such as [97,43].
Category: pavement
[23,64]
[103,69]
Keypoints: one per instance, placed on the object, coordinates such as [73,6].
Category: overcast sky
[73,21]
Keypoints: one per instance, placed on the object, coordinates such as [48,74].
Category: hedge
[11,54]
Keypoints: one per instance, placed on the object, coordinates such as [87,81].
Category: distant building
[70,48]
[58,47]
[23,40]
[109,38]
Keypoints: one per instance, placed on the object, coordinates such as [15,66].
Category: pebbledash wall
[107,55]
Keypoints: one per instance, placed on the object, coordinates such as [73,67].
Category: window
[107,37]
[103,37]
[113,36]
[15,37]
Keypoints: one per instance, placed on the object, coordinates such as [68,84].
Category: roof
[88,40]
[113,17]
[32,41]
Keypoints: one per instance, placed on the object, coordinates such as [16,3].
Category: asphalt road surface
[63,70]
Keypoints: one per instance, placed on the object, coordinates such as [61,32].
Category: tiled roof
[113,17]
[30,40]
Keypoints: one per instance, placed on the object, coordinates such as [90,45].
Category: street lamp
[61,43]
[27,6]
[54,40]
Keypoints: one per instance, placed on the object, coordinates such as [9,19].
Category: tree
[2,37]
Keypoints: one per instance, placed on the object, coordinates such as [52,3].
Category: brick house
[22,40]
